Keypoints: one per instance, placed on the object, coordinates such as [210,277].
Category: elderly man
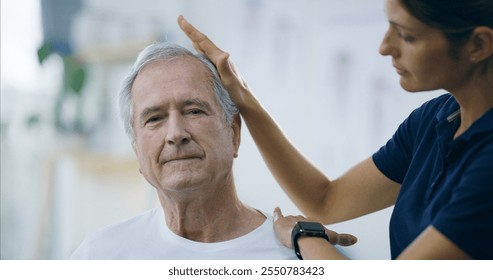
[185,132]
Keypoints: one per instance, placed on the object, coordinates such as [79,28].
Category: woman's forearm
[301,180]
[304,183]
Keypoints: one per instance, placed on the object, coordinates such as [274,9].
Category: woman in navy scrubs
[437,169]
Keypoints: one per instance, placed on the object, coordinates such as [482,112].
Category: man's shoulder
[122,230]
[110,241]
[131,223]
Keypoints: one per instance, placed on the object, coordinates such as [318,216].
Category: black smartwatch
[306,229]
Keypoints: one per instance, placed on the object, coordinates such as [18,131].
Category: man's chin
[179,184]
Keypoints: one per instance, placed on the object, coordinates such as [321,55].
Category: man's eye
[195,112]
[153,119]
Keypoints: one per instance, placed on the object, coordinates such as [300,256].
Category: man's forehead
[173,62]
[179,79]
[183,69]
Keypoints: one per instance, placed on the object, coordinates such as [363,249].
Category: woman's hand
[283,225]
[231,79]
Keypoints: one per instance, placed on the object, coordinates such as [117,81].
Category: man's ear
[482,44]
[236,127]
[134,147]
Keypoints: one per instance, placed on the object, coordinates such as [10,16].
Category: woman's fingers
[277,214]
[341,239]
[229,76]
[201,42]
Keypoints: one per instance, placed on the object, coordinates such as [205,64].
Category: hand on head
[231,79]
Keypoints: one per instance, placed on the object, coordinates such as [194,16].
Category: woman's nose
[387,45]
[384,48]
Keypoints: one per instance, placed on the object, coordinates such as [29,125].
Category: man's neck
[208,218]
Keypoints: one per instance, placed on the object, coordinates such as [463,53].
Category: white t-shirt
[147,237]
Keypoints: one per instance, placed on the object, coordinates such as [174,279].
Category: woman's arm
[431,244]
[361,190]
[311,248]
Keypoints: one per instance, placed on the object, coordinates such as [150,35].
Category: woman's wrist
[317,248]
[247,102]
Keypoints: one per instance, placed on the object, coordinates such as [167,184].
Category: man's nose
[177,133]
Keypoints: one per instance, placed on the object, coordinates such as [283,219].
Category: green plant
[74,78]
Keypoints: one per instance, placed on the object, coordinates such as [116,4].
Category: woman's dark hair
[457,19]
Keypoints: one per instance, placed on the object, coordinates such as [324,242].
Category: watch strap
[299,231]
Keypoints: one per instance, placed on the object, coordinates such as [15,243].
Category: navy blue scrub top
[445,182]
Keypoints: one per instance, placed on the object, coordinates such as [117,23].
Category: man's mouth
[182,159]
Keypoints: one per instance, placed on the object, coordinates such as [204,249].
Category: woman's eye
[406,38]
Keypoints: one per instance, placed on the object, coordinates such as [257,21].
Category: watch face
[306,229]
[310,226]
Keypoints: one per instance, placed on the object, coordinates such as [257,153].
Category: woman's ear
[482,40]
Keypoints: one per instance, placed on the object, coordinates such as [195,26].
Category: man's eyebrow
[199,102]
[194,101]
[149,111]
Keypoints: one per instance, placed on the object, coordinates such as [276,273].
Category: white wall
[313,64]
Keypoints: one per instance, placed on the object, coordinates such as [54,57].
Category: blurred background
[67,168]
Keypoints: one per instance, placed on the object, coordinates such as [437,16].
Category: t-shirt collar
[449,115]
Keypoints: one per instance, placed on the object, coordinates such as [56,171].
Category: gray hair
[166,51]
